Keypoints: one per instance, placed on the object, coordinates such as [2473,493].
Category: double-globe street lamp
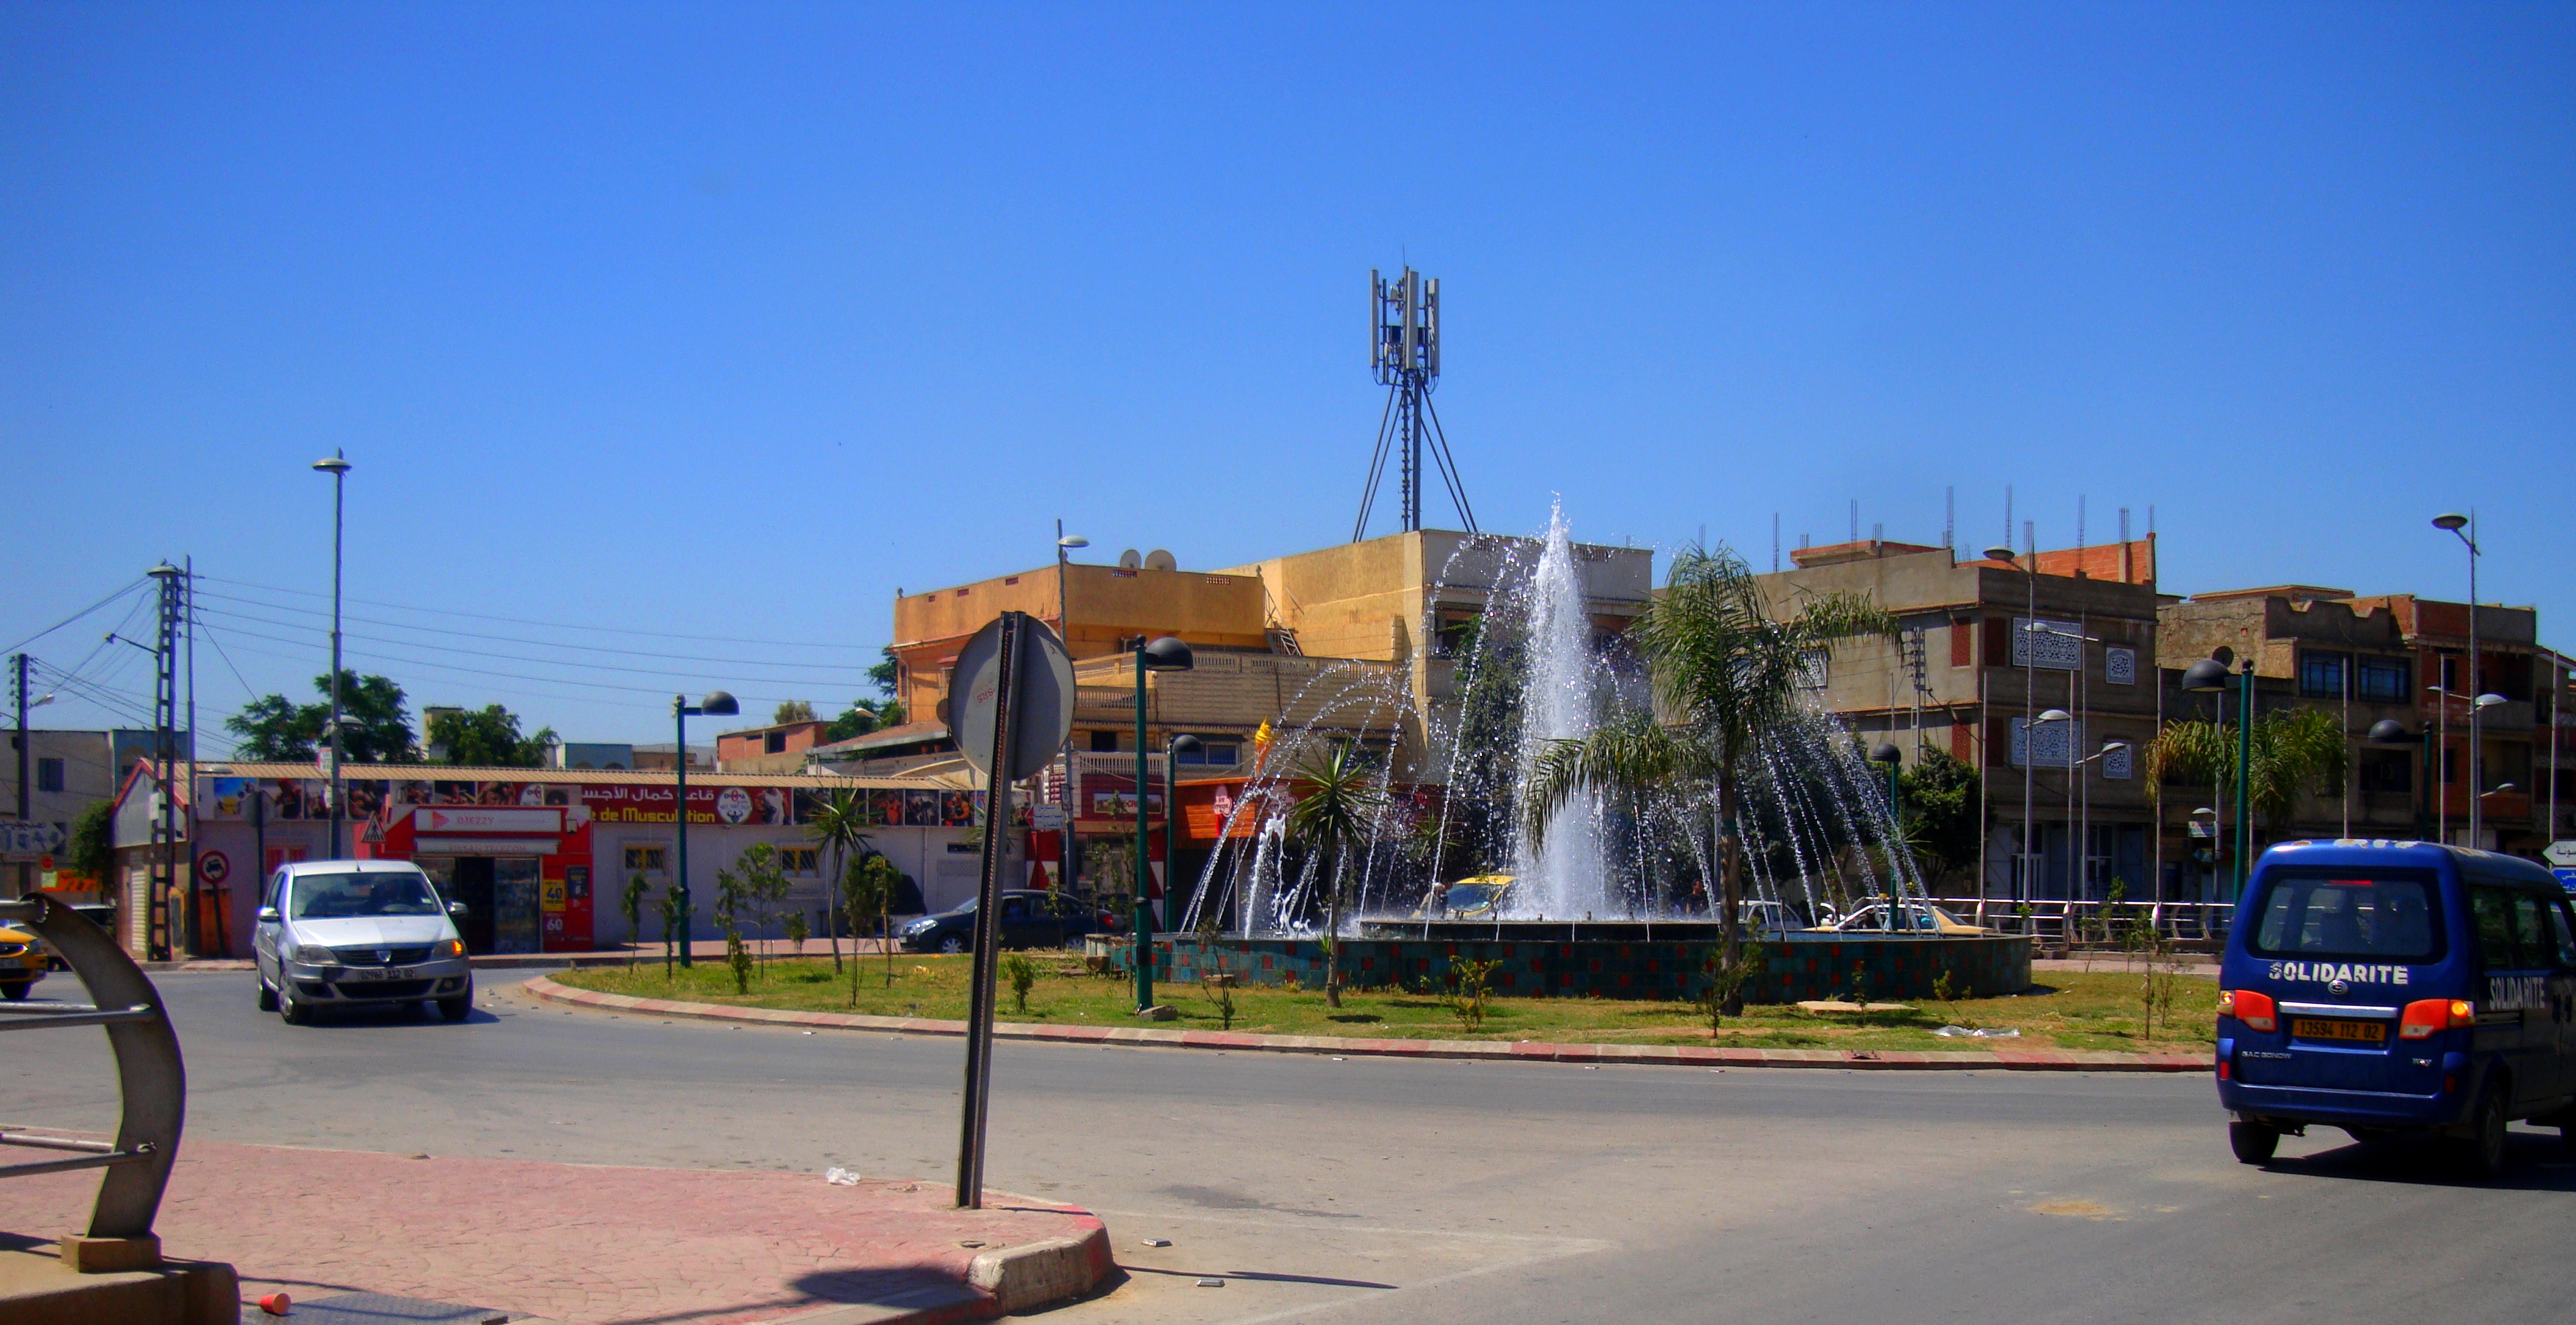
[1167,654]
[2465,528]
[717,704]
[2430,814]
[1174,746]
[2211,676]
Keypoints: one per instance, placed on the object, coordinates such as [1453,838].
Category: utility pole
[26,879]
[172,935]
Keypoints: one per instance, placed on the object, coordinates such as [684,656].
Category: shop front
[522,871]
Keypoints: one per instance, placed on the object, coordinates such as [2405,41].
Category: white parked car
[357,933]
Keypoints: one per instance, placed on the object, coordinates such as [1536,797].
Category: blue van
[2394,988]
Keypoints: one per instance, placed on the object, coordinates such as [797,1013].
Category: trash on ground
[841,1177]
[1211,1283]
[1158,1242]
[1981,1033]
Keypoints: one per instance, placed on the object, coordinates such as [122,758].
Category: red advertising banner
[717,804]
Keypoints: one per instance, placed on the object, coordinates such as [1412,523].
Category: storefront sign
[479,820]
[625,804]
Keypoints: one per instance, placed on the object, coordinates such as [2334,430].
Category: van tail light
[2426,1016]
[2255,1010]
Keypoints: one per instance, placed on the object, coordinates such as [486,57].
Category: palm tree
[835,829]
[2295,751]
[1336,805]
[1725,669]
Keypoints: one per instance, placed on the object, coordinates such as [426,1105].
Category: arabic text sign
[25,837]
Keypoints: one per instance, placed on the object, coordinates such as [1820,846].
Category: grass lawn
[2071,1010]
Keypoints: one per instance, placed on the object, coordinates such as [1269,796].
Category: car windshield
[2348,913]
[1468,896]
[376,893]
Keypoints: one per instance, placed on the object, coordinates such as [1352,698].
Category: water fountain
[1617,900]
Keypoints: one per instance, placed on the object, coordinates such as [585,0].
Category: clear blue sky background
[729,320]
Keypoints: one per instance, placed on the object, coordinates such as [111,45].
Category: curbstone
[1643,1055]
[1038,1273]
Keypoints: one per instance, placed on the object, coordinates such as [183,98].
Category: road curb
[1589,1055]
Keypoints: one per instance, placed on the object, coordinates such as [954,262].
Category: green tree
[1725,668]
[835,827]
[631,905]
[2295,752]
[863,716]
[1940,796]
[375,729]
[792,710]
[92,848]
[488,738]
[1337,803]
[868,885]
[733,897]
[883,674]
[667,906]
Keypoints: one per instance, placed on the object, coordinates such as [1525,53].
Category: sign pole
[988,929]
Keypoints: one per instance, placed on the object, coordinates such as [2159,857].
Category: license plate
[2360,1032]
[367,973]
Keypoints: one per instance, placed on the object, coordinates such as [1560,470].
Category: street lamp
[1167,654]
[1064,544]
[2210,676]
[1886,753]
[2029,696]
[337,466]
[2441,734]
[2389,731]
[2465,529]
[1173,746]
[717,704]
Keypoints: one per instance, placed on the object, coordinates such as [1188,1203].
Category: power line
[508,639]
[480,672]
[137,584]
[556,625]
[694,674]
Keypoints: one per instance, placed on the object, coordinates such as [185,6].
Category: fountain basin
[1797,967]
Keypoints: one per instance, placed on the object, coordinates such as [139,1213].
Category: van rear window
[2348,913]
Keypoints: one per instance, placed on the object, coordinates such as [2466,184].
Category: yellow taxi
[22,962]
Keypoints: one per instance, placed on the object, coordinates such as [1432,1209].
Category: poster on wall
[921,809]
[885,808]
[957,809]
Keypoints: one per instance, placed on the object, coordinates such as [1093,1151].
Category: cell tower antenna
[1404,350]
[1950,520]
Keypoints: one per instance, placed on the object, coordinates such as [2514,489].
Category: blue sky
[726,321]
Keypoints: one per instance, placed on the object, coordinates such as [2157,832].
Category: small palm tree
[1726,668]
[1337,804]
[2295,751]
[835,829]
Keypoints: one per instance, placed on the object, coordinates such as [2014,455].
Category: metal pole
[2477,753]
[988,923]
[680,813]
[25,808]
[1144,955]
[338,484]
[2029,694]
[2244,771]
[1064,627]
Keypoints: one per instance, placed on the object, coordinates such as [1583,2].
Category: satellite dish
[1158,559]
[1128,560]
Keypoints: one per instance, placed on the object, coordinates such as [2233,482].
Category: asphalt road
[1372,1190]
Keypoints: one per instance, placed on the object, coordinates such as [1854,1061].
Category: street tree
[868,885]
[1940,796]
[1725,668]
[1338,803]
[487,738]
[374,728]
[836,827]
[2295,752]
[792,710]
[631,905]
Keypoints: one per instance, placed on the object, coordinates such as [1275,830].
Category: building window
[771,743]
[2116,764]
[648,860]
[1817,671]
[2387,770]
[2120,667]
[2450,767]
[1104,742]
[2044,643]
[798,862]
[2383,680]
[49,774]
[2321,674]
[1215,752]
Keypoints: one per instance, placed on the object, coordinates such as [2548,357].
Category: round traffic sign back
[1045,715]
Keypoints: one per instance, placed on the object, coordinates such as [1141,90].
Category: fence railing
[2065,923]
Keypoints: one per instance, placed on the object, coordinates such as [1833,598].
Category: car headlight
[311,954]
[921,927]
[447,948]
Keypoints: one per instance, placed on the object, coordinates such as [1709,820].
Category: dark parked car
[1030,919]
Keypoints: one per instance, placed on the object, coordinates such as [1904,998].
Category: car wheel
[2252,1141]
[952,945]
[457,1008]
[267,997]
[16,990]
[293,1011]
[2485,1155]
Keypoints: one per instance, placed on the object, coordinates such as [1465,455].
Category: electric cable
[557,625]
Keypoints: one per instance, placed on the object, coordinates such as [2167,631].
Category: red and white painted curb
[1523,1051]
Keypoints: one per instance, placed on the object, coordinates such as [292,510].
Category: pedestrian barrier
[150,1078]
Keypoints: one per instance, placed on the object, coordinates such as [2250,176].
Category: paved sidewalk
[644,956]
[1660,1055]
[569,1242]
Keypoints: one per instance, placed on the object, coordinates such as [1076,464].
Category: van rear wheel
[2252,1141]
[2485,1154]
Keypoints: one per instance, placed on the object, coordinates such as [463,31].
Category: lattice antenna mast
[1404,349]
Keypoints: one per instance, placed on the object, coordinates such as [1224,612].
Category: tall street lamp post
[1064,544]
[1173,747]
[337,466]
[2210,676]
[717,704]
[2464,528]
[1163,655]
[1885,753]
[2029,696]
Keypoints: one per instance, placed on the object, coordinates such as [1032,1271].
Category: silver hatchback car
[357,933]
